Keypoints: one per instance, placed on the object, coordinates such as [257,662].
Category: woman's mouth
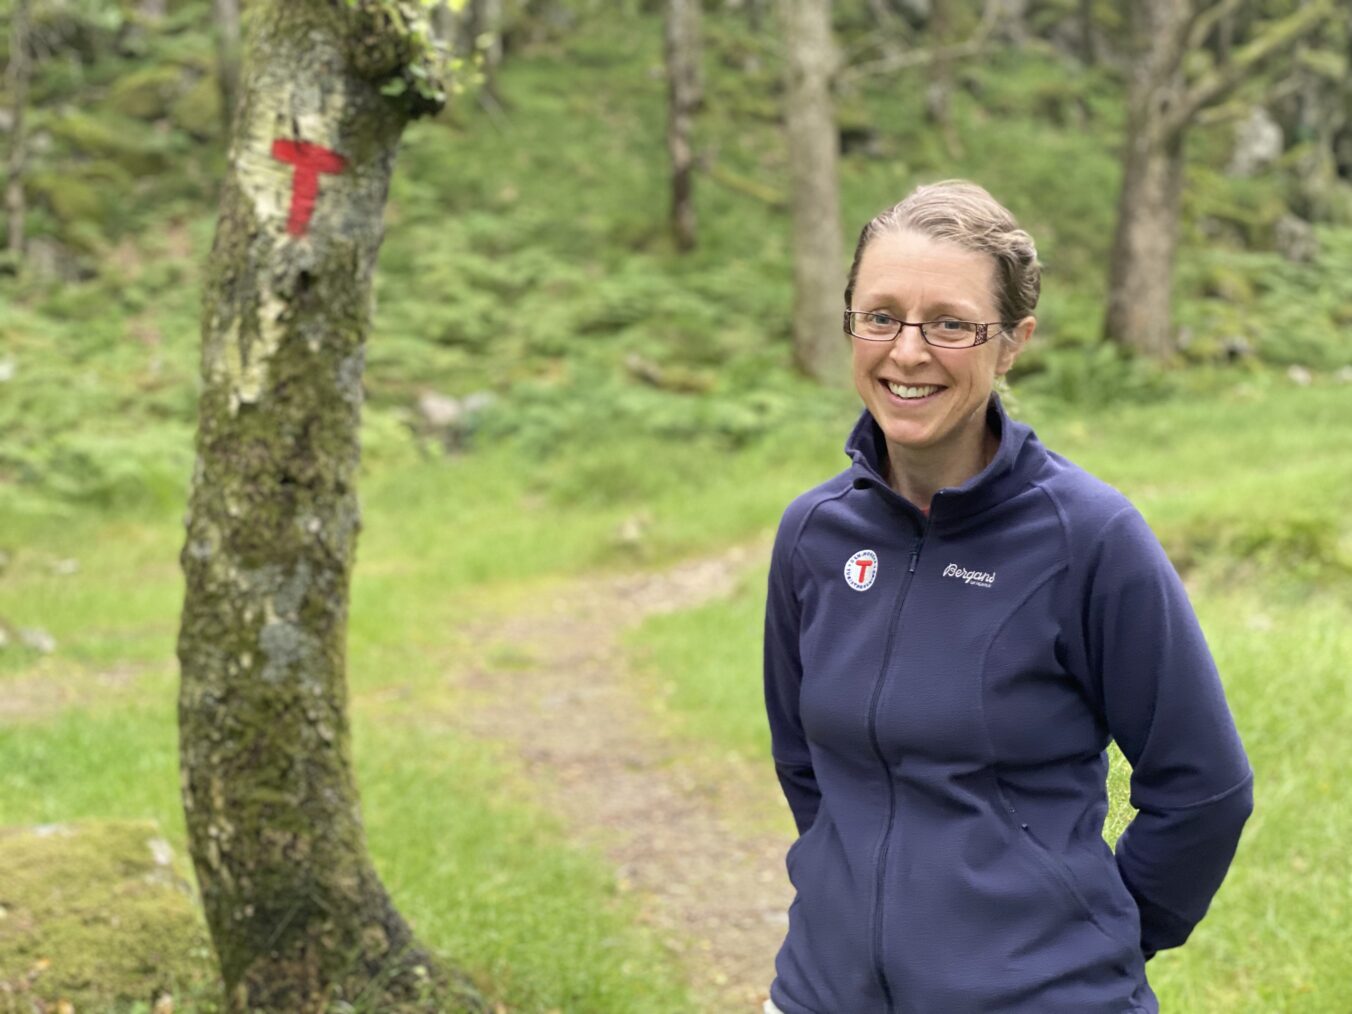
[911,394]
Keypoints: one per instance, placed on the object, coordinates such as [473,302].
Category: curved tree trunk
[810,58]
[298,916]
[683,96]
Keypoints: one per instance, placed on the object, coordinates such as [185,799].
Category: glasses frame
[983,332]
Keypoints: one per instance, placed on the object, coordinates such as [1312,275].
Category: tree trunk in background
[488,40]
[299,918]
[225,13]
[19,73]
[1162,103]
[153,10]
[683,96]
[1008,20]
[818,274]
[939,78]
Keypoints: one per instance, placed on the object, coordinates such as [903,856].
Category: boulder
[98,915]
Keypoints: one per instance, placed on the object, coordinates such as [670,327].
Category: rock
[1236,348]
[1295,240]
[99,915]
[1300,376]
[37,639]
[1258,143]
[449,419]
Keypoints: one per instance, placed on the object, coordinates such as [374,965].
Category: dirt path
[678,833]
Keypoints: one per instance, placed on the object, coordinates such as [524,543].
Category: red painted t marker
[310,160]
[863,566]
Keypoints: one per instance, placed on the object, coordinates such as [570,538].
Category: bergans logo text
[861,570]
[980,578]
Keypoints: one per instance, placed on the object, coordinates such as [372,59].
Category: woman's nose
[909,345]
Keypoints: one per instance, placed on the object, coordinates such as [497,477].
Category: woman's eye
[879,319]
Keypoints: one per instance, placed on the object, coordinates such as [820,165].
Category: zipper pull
[915,555]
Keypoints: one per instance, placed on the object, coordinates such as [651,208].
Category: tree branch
[852,73]
[1218,82]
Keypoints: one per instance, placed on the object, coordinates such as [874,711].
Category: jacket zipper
[884,845]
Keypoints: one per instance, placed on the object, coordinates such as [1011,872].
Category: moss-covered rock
[129,143]
[99,914]
[148,93]
[198,110]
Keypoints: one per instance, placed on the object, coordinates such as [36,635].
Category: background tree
[298,916]
[225,15]
[18,91]
[1163,102]
[682,47]
[810,65]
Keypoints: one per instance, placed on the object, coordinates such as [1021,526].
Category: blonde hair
[966,214]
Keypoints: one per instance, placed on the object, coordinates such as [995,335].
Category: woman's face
[910,276]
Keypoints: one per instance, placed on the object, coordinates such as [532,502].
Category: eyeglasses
[942,334]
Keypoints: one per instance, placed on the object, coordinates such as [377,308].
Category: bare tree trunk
[683,97]
[810,64]
[19,73]
[298,916]
[939,81]
[1008,20]
[153,10]
[226,15]
[1162,103]
[488,26]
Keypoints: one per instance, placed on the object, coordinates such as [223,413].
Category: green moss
[148,93]
[198,110]
[99,913]
[130,144]
[70,198]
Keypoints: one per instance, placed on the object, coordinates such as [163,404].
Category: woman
[955,627]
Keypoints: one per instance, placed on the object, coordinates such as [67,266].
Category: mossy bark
[299,919]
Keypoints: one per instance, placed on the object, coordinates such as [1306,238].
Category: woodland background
[562,392]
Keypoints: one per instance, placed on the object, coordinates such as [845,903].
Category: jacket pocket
[1055,868]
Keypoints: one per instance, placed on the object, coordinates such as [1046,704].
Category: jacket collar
[1010,470]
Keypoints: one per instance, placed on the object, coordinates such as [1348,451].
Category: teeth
[901,391]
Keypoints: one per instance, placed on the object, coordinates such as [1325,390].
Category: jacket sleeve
[783,677]
[1191,782]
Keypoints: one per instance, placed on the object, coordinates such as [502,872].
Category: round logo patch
[861,570]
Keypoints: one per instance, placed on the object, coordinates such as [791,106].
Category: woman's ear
[1009,350]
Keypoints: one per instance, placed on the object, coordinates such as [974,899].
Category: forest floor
[690,835]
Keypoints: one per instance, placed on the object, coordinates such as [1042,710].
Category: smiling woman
[956,627]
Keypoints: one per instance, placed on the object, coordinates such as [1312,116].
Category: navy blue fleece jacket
[941,692]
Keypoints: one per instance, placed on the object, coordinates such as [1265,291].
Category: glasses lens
[951,332]
[873,326]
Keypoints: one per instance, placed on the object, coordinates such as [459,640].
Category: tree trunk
[153,10]
[939,80]
[683,97]
[1144,247]
[19,73]
[298,916]
[810,62]
[1149,203]
[226,15]
[1162,103]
